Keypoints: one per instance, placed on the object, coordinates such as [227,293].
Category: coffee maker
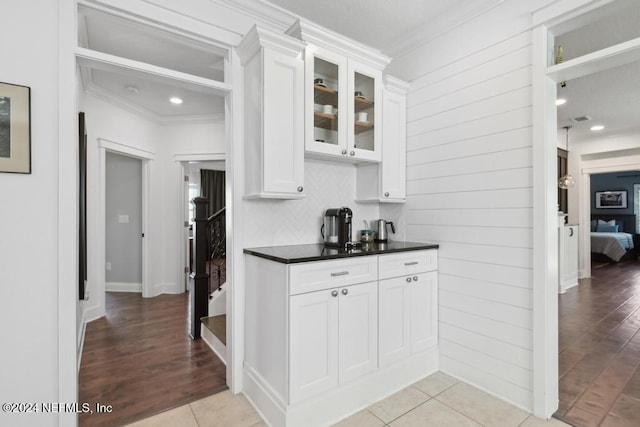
[336,229]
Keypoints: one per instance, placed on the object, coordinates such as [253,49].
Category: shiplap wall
[469,187]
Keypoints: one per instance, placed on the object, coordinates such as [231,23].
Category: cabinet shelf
[325,96]
[362,127]
[362,104]
[324,120]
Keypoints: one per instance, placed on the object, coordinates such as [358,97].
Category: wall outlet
[108,266]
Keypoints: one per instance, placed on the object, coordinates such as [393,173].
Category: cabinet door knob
[386,194]
[415,278]
[334,293]
[408,279]
[300,189]
[345,291]
[344,151]
[352,153]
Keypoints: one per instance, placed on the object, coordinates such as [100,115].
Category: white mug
[362,116]
[327,109]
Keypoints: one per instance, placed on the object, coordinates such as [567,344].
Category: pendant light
[567,180]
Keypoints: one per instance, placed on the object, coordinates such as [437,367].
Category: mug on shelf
[362,116]
[328,109]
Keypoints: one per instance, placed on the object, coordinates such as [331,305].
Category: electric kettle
[382,230]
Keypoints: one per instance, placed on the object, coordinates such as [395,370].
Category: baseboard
[80,334]
[218,304]
[122,287]
[92,313]
[166,288]
[343,401]
[214,343]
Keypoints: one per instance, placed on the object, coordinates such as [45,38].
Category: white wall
[469,185]
[29,219]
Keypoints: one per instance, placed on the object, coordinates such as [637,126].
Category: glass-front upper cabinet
[365,125]
[341,109]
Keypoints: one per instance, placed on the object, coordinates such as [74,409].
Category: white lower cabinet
[408,316]
[333,338]
[326,338]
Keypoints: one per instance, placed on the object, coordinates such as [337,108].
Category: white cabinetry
[273,116]
[322,337]
[333,338]
[408,292]
[343,97]
[386,182]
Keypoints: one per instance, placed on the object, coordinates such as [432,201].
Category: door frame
[68,306]
[146,157]
[184,159]
[559,14]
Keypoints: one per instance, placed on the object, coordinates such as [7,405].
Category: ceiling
[145,93]
[387,25]
[610,98]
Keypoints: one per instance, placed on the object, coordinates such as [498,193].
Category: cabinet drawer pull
[340,273]
[415,278]
[345,291]
[334,293]
[411,263]
[408,279]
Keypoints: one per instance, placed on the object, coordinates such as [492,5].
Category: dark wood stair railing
[217,241]
[210,244]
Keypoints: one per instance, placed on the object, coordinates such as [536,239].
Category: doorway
[123,223]
[565,70]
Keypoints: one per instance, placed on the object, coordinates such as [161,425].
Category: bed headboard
[627,223]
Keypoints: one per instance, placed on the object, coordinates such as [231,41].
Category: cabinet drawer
[400,264]
[315,276]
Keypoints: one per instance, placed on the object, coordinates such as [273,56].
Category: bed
[612,237]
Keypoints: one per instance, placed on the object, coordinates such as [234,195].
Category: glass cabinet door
[325,102]
[365,121]
[326,125]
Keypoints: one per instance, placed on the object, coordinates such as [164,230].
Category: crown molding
[313,33]
[92,89]
[193,119]
[396,85]
[258,38]
[438,27]
[261,12]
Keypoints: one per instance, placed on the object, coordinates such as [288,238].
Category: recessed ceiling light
[175,100]
[597,128]
[561,101]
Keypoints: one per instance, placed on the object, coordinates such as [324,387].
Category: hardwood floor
[140,359]
[599,343]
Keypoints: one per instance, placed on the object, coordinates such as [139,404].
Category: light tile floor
[438,400]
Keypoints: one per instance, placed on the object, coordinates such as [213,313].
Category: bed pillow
[610,222]
[607,228]
[594,225]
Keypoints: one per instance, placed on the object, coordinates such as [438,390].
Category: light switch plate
[123,219]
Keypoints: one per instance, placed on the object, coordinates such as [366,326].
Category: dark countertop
[318,252]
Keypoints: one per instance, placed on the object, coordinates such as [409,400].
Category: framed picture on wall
[611,199]
[15,128]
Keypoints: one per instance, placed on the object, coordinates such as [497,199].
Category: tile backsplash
[288,222]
